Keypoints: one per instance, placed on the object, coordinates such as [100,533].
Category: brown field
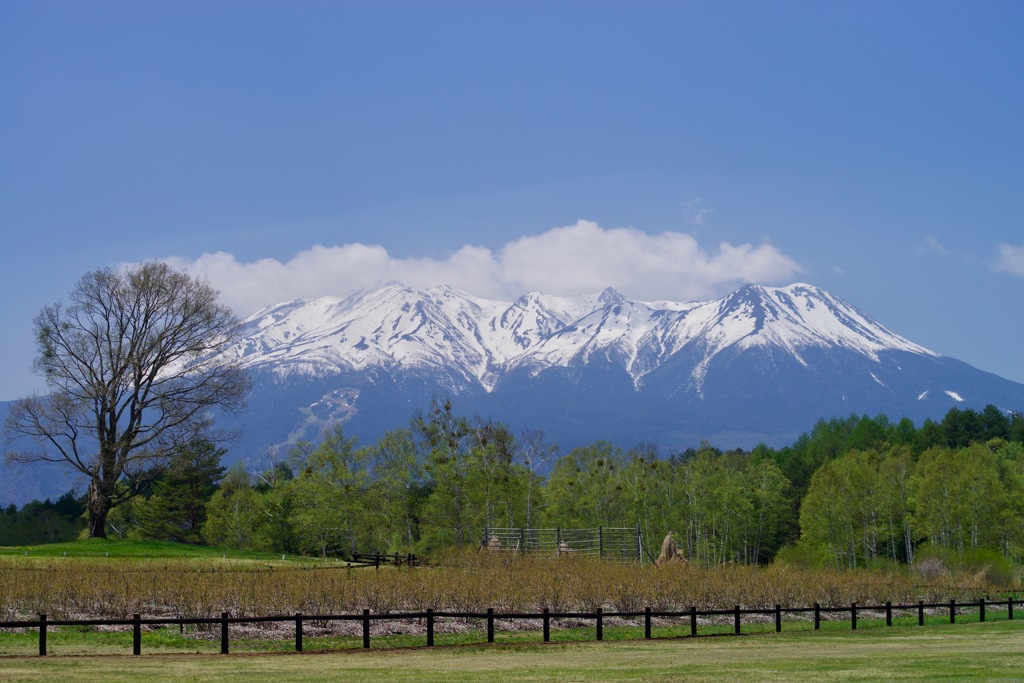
[96,588]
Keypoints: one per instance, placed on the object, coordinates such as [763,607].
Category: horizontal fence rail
[378,559]
[611,543]
[430,616]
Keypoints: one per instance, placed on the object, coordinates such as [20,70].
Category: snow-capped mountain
[478,341]
[472,339]
[761,364]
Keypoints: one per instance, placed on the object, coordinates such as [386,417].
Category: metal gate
[622,544]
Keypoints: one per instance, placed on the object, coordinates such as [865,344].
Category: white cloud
[1011,259]
[932,244]
[695,212]
[576,259]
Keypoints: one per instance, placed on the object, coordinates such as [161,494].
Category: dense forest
[854,492]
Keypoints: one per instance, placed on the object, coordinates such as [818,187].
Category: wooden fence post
[42,635]
[1009,608]
[547,625]
[298,631]
[223,633]
[778,618]
[647,623]
[853,616]
[817,616]
[490,624]
[981,610]
[888,613]
[136,634]
[430,627]
[952,611]
[693,620]
[920,612]
[366,628]
[736,618]
[600,624]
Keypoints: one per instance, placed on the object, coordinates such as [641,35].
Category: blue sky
[673,150]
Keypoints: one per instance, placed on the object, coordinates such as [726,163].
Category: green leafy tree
[398,485]
[585,488]
[536,455]
[769,501]
[1010,462]
[475,477]
[236,514]
[443,442]
[498,485]
[717,508]
[839,515]
[958,497]
[333,506]
[895,505]
[641,482]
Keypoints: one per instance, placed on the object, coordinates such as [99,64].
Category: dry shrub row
[465,582]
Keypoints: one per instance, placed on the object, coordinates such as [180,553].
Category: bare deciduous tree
[133,369]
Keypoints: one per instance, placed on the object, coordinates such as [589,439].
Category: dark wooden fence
[431,616]
[378,559]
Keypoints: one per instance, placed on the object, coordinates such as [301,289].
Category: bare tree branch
[133,368]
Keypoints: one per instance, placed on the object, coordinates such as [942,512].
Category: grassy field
[95,548]
[990,651]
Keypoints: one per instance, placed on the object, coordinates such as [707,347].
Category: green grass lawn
[142,550]
[990,651]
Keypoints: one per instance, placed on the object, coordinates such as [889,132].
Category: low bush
[470,581]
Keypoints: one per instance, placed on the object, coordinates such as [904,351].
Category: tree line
[852,492]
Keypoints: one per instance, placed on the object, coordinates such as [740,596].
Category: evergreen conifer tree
[177,509]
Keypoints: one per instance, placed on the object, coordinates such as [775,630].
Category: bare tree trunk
[99,507]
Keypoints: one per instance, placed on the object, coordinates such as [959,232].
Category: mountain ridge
[480,340]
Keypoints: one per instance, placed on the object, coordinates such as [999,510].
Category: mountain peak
[611,297]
